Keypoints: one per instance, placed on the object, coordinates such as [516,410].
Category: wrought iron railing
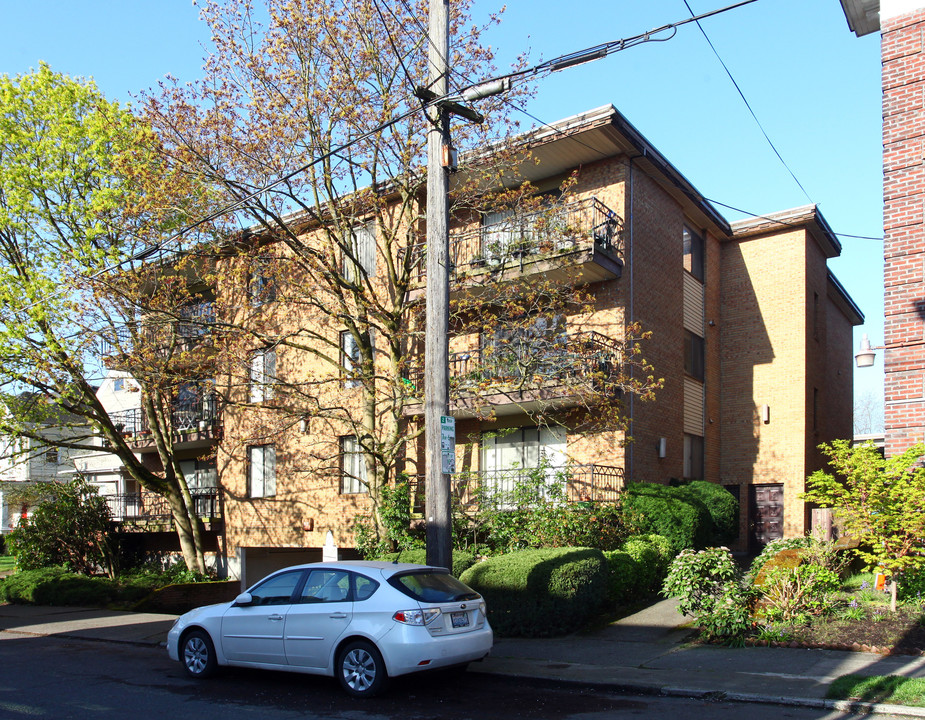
[544,359]
[520,238]
[524,487]
[148,506]
[195,321]
[200,413]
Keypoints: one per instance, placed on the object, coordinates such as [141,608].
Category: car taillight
[417,617]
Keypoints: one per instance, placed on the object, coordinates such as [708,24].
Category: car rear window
[432,587]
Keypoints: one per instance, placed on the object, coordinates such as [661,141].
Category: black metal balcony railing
[520,238]
[195,321]
[525,487]
[148,506]
[200,413]
[546,358]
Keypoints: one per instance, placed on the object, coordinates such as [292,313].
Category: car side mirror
[245,598]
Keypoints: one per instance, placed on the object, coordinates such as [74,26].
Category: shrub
[722,506]
[70,528]
[773,548]
[791,591]
[462,561]
[670,512]
[56,586]
[395,512]
[708,585]
[624,578]
[646,557]
[541,593]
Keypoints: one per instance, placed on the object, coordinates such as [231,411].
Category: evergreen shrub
[671,512]
[543,592]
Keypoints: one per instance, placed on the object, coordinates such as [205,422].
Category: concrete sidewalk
[643,653]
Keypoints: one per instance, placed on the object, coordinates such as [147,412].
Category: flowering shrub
[709,587]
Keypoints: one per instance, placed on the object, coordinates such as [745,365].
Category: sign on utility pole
[436,341]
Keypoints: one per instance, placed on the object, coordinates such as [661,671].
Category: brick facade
[772,322]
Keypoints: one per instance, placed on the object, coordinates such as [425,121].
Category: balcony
[578,239]
[572,483]
[194,324]
[148,507]
[523,373]
[194,420]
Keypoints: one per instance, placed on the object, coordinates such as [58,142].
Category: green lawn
[888,689]
[7,562]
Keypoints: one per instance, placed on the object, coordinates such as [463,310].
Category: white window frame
[349,359]
[262,375]
[261,471]
[362,248]
[353,477]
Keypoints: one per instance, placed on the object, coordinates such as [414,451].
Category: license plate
[459,619]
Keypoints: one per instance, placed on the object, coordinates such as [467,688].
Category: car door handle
[338,615]
[275,618]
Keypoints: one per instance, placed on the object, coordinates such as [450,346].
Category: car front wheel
[361,670]
[198,654]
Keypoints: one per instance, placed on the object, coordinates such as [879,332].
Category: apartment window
[261,287]
[118,384]
[694,353]
[361,252]
[262,375]
[525,349]
[261,471]
[693,253]
[352,467]
[507,456]
[51,456]
[693,457]
[349,359]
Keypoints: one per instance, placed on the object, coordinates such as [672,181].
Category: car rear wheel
[198,654]
[361,670]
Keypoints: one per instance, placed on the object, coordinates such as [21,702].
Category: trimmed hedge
[672,512]
[722,506]
[638,568]
[56,586]
[541,593]
[462,560]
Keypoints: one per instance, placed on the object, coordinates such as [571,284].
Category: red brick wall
[903,218]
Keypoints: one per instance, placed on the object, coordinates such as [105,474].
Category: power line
[747,104]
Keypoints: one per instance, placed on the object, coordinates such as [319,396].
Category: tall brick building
[901,24]
[750,331]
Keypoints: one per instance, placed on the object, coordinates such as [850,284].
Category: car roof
[386,568]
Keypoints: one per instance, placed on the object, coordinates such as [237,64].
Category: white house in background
[24,461]
[120,396]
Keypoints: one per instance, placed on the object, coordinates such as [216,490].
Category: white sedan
[361,622]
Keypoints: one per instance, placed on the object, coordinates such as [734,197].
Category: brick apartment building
[750,331]
[901,24]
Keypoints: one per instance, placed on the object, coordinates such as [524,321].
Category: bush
[541,593]
[708,585]
[623,576]
[790,591]
[69,529]
[646,558]
[722,506]
[462,561]
[56,586]
[671,512]
[638,568]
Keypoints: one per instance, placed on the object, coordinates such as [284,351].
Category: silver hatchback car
[361,622]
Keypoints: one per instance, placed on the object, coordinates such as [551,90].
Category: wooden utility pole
[436,340]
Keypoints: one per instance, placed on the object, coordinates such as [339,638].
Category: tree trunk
[188,531]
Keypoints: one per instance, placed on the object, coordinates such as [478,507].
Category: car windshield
[432,587]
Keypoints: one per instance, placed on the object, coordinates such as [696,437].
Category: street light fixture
[865,355]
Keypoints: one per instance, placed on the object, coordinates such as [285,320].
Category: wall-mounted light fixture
[766,414]
[865,355]
[662,447]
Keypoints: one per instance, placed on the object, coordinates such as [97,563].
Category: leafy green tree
[879,501]
[83,190]
[69,529]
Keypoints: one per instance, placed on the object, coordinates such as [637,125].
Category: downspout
[630,310]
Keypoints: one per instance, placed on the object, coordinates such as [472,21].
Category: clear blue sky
[814,86]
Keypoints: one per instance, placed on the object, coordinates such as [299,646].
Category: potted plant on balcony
[521,248]
[478,261]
